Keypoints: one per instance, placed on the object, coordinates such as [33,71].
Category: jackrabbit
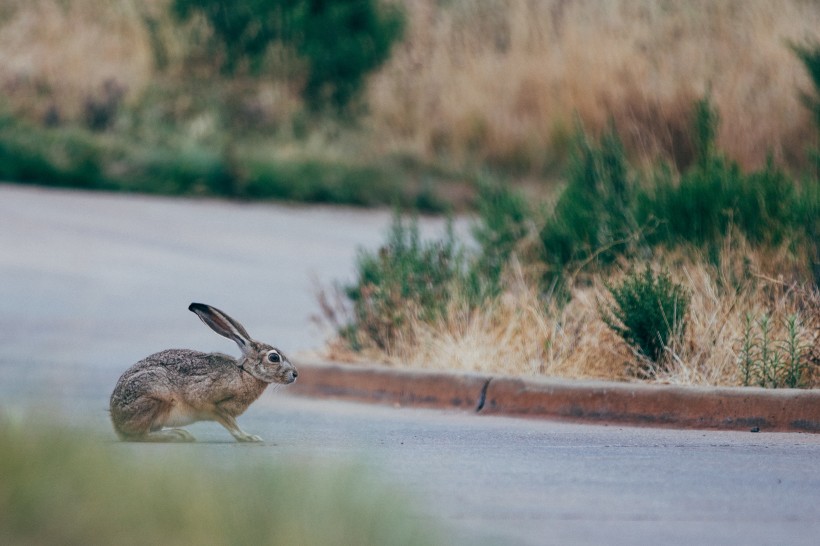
[180,386]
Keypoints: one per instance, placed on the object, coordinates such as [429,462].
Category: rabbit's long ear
[222,324]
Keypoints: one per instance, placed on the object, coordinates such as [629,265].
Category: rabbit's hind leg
[144,422]
[168,435]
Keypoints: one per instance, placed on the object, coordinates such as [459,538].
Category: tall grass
[63,486]
[52,68]
[500,80]
[733,243]
[525,332]
[474,83]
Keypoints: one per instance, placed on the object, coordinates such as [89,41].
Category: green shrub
[504,216]
[80,158]
[409,279]
[648,313]
[714,197]
[593,217]
[808,216]
[196,170]
[57,157]
[405,279]
[321,182]
[809,55]
[341,41]
[705,123]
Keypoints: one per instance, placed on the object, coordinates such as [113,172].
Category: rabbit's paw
[245,437]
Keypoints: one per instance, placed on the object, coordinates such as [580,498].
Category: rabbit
[178,387]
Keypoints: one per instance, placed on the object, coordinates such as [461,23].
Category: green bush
[808,215]
[593,217]
[321,182]
[648,312]
[714,196]
[80,158]
[59,157]
[809,54]
[405,279]
[410,279]
[504,216]
[341,41]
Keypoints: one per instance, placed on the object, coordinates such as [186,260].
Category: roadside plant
[746,361]
[406,279]
[647,311]
[809,55]
[593,218]
[769,361]
[504,220]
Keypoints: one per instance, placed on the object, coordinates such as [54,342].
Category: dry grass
[55,55]
[500,80]
[520,334]
[476,81]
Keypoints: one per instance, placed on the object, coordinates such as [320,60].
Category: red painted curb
[727,408]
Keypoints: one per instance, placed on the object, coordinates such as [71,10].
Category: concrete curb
[383,385]
[726,408]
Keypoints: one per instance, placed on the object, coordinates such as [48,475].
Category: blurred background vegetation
[63,485]
[388,101]
[590,139]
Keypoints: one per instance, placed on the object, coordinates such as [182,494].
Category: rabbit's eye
[274,357]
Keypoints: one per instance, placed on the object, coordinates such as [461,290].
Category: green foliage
[809,55]
[808,216]
[592,218]
[406,279]
[63,486]
[704,128]
[58,157]
[245,28]
[343,41]
[504,216]
[604,212]
[80,158]
[767,361]
[648,313]
[413,280]
[318,180]
[340,40]
[713,197]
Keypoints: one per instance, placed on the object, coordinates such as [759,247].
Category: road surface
[90,283]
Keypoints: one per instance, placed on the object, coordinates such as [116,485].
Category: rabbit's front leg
[229,423]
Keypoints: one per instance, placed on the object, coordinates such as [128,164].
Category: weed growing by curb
[768,360]
[648,313]
[406,278]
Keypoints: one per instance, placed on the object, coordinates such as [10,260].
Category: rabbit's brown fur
[177,387]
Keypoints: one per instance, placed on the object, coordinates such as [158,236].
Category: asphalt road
[90,283]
